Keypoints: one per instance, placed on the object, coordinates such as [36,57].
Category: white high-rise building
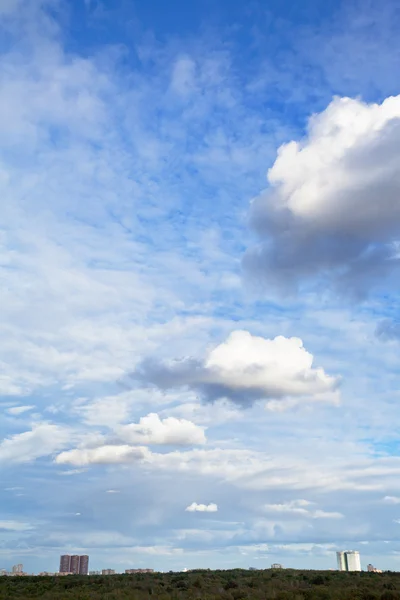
[349,560]
[353,561]
[341,561]
[17,568]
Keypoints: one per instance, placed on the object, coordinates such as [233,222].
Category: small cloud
[388,330]
[169,431]
[183,76]
[15,526]
[19,410]
[104,455]
[112,492]
[72,472]
[194,507]
[303,508]
[78,514]
[322,514]
[391,499]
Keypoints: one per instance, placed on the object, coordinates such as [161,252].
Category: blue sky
[199,294]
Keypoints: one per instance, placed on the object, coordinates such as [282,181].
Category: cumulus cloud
[170,431]
[246,368]
[103,455]
[194,507]
[332,210]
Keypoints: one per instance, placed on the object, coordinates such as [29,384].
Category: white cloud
[302,508]
[194,507]
[169,431]
[294,506]
[333,206]
[112,491]
[42,440]
[15,526]
[104,455]
[246,368]
[391,499]
[19,410]
[322,514]
[9,387]
[108,411]
[220,412]
[183,76]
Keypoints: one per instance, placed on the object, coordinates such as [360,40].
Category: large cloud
[170,431]
[246,368]
[332,210]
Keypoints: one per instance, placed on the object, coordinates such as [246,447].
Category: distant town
[74,564]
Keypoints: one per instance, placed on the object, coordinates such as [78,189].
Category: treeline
[237,584]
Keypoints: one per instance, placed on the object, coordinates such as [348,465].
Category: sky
[200,236]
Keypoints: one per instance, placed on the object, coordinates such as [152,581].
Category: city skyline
[347,560]
[200,331]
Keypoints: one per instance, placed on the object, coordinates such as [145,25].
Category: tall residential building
[74,564]
[83,564]
[78,565]
[65,563]
[341,561]
[353,561]
[348,560]
[18,568]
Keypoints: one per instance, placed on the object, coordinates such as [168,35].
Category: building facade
[133,571]
[348,560]
[353,561]
[341,561]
